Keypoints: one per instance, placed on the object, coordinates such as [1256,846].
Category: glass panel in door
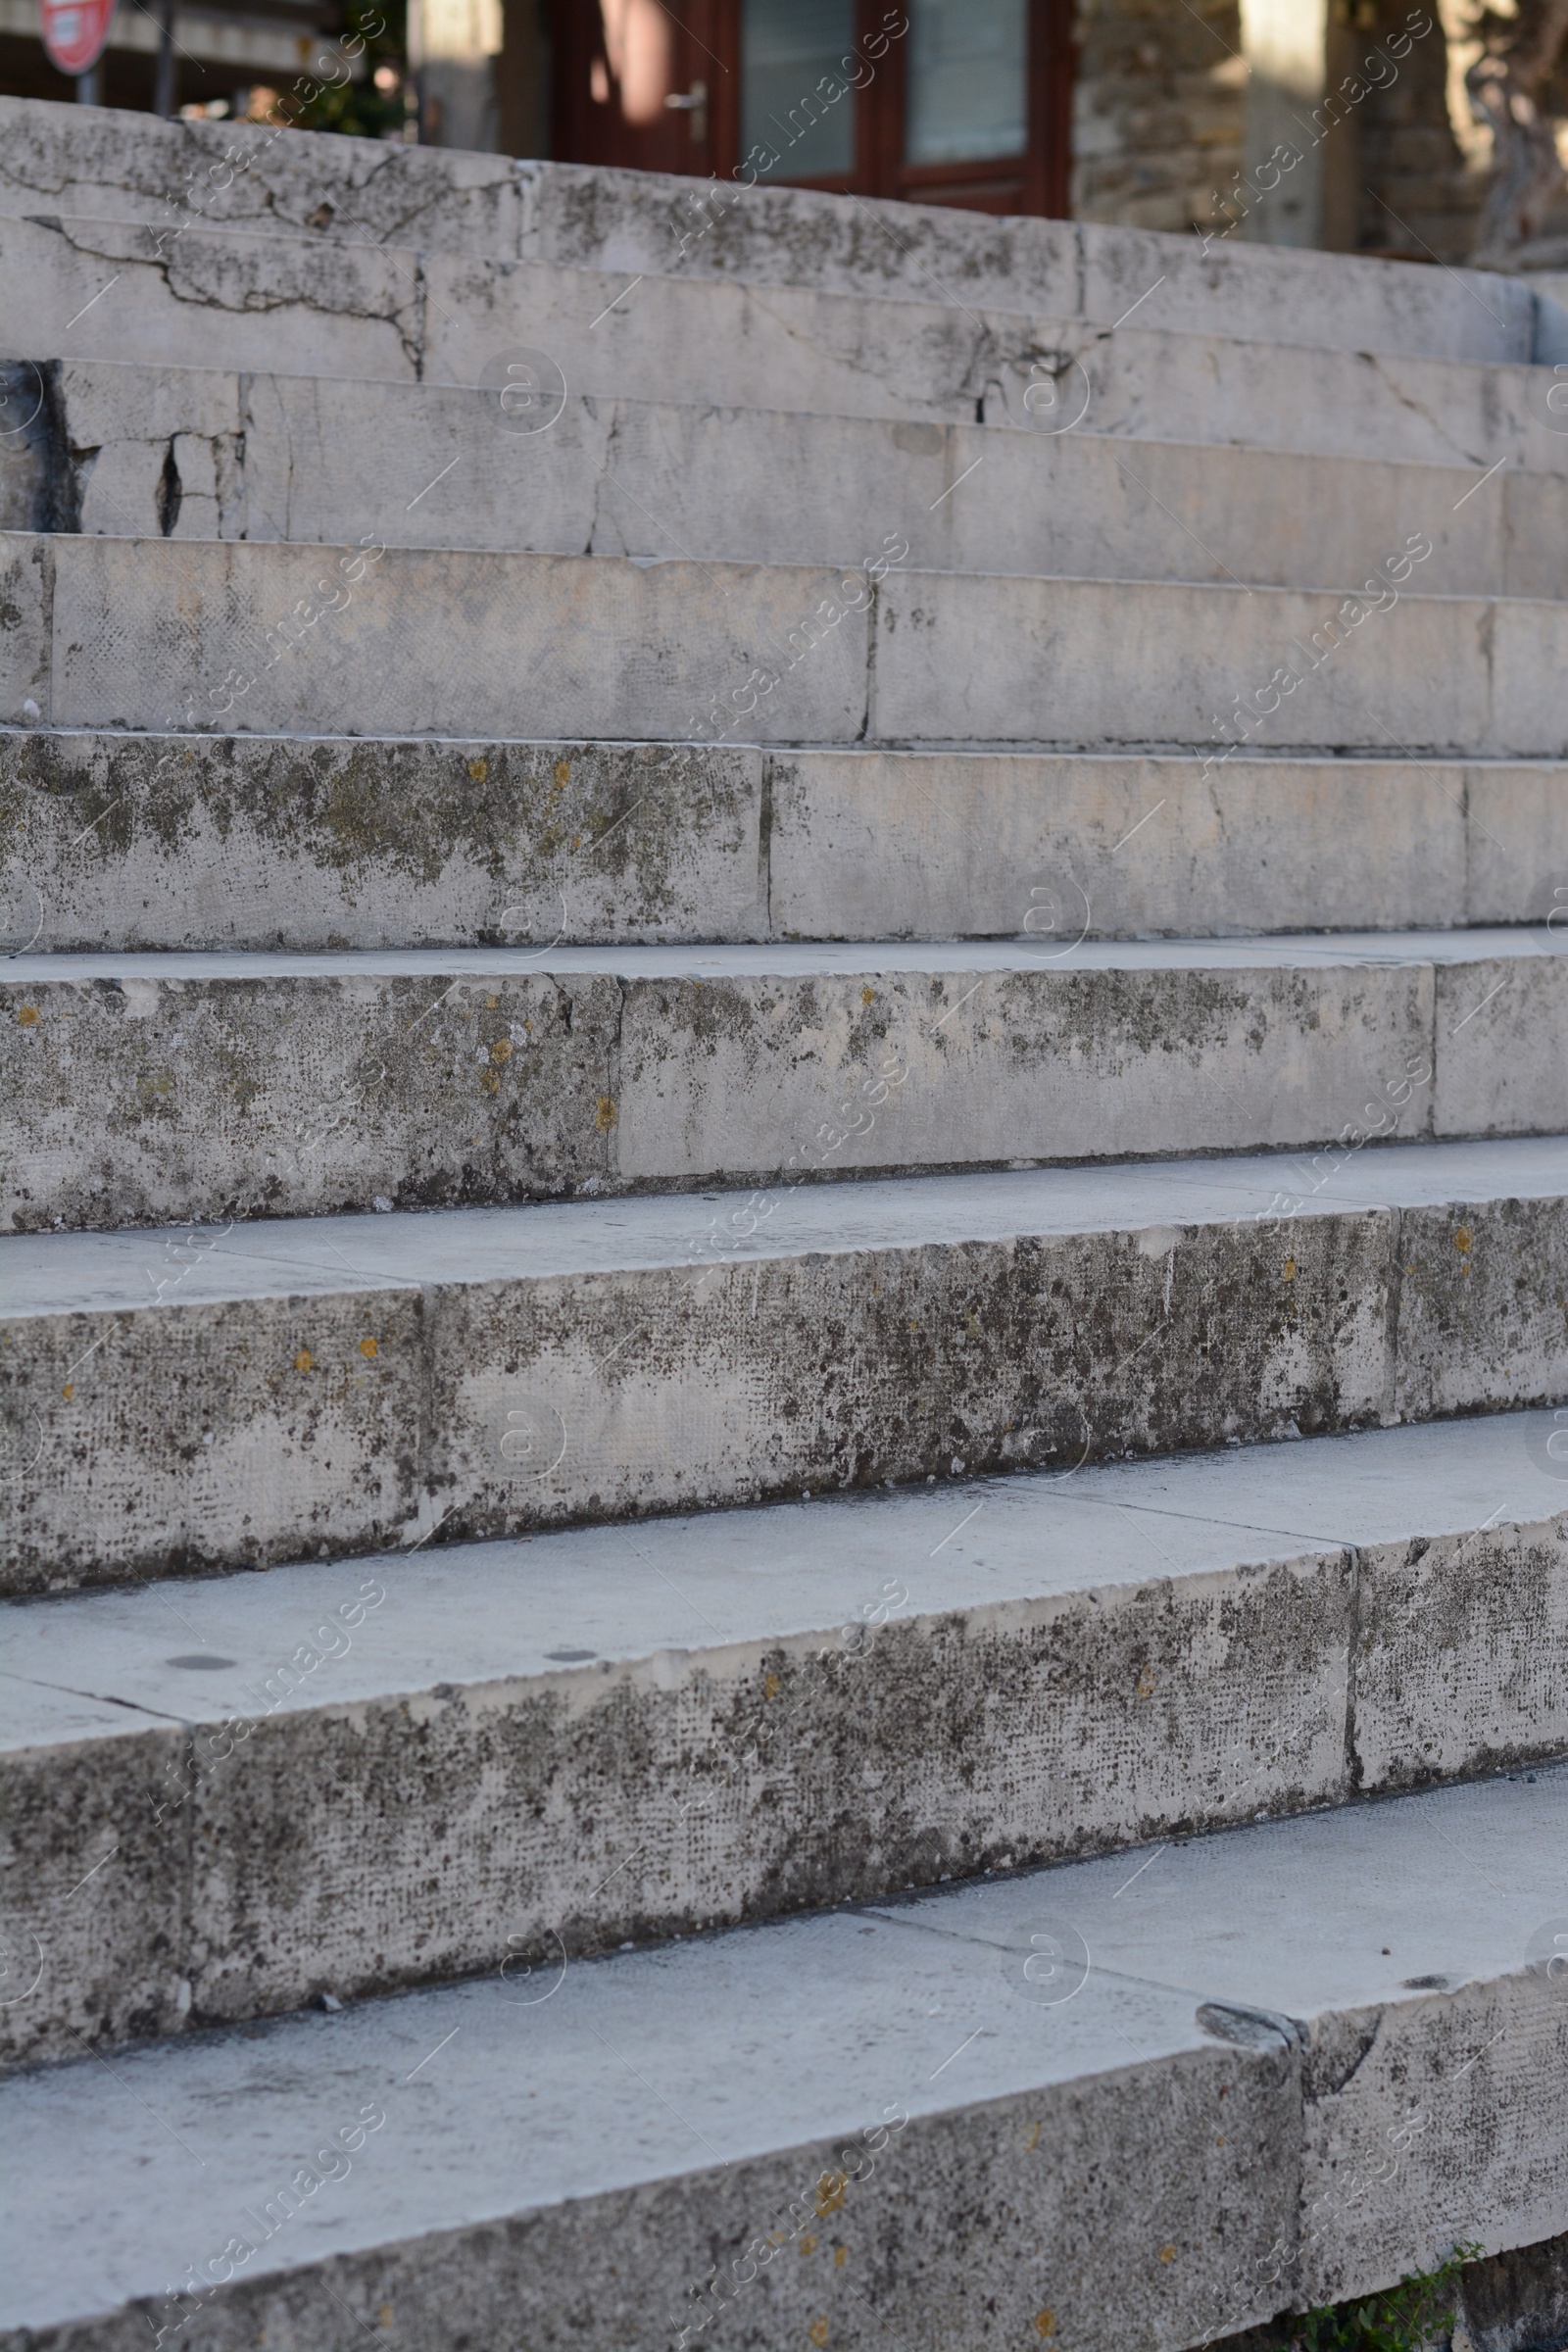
[791,54]
[967,75]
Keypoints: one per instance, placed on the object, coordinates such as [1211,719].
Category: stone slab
[191,1401]
[101,291]
[963,658]
[112,289]
[157,634]
[940,845]
[176,176]
[600,1735]
[1168,2147]
[247,1085]
[591,217]
[317,458]
[583,218]
[276,841]
[164,634]
[254,842]
[1430,2084]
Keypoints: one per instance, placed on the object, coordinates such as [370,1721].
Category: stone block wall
[1160,125]
[1157,111]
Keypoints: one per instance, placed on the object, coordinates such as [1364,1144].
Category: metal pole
[164,87]
[87,87]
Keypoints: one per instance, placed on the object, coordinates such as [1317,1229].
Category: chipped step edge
[1242,2106]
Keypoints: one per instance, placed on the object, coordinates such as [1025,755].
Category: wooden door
[635,85]
[953,102]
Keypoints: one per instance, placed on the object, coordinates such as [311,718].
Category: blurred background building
[1369,126]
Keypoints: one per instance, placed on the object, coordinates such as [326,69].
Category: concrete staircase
[721,1040]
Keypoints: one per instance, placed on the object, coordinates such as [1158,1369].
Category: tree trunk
[1504,86]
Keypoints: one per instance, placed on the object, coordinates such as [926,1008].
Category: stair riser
[245,842]
[303,1096]
[875,844]
[112,633]
[767,1777]
[239,842]
[299,307]
[312,458]
[194,1438]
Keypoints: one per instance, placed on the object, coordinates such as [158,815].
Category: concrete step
[251,1085]
[147,633]
[1146,2104]
[173,177]
[177,179]
[112,840]
[192,454]
[190,1401]
[1032,1668]
[104,290]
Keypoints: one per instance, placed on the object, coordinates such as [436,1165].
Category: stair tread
[787,959]
[1282,760]
[52,1273]
[572,1603]
[646,2066]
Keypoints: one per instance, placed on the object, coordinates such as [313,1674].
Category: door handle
[693,102]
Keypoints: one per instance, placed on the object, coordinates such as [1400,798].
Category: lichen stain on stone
[369,812]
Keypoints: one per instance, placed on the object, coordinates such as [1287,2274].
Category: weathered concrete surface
[25,567]
[505,1089]
[189,1402]
[316,458]
[595,219]
[1161,2156]
[395,314]
[602,1738]
[211,299]
[806,348]
[155,634]
[867,845]
[967,658]
[235,841]
[595,2208]
[1430,2075]
[1498,1028]
[175,177]
[282,1086]
[119,1940]
[1460,1299]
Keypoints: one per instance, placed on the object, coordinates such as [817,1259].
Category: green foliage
[1416,2312]
[358,108]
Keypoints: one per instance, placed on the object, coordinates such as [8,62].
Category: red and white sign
[74,32]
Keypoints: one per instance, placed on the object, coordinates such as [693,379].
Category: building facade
[1345,124]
